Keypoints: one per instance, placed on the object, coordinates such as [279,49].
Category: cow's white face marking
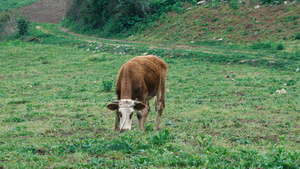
[126,112]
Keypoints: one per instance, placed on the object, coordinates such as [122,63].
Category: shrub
[22,25]
[297,35]
[261,45]
[280,46]
[7,23]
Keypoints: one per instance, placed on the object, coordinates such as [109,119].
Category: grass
[220,112]
[14,4]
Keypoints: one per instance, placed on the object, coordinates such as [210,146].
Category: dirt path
[153,45]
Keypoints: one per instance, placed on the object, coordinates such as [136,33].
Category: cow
[139,80]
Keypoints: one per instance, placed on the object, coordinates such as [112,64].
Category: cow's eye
[120,115]
[131,114]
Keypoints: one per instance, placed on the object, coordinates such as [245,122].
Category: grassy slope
[14,4]
[53,114]
[245,24]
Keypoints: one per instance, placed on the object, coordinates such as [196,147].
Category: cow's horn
[137,102]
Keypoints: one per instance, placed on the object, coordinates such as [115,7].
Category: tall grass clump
[23,26]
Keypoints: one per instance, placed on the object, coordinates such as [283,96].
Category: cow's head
[125,109]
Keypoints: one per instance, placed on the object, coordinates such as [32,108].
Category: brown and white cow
[139,80]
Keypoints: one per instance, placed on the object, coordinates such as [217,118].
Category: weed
[107,85]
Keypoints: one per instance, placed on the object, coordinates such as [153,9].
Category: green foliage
[261,45]
[23,26]
[14,119]
[7,23]
[107,85]
[233,4]
[297,36]
[117,16]
[280,46]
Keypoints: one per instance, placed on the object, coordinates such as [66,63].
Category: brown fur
[141,77]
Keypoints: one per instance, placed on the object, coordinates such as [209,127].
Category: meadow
[222,108]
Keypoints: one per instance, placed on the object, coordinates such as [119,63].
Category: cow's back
[139,75]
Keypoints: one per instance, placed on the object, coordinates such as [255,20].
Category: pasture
[222,110]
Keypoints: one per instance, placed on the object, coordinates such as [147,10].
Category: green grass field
[221,111]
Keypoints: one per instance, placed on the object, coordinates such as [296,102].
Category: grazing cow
[139,80]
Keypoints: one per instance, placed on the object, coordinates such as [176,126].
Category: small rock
[244,61]
[145,54]
[200,2]
[282,91]
[189,8]
[257,7]
[220,39]
[285,2]
[192,42]
[272,61]
[297,70]
[88,50]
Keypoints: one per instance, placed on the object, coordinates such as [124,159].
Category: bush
[297,36]
[280,46]
[8,23]
[261,45]
[22,25]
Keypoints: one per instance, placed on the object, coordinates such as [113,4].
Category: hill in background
[245,24]
[194,23]
[47,11]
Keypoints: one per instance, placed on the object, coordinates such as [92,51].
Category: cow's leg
[142,116]
[159,107]
[159,100]
[117,123]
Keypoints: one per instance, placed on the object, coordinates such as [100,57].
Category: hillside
[14,4]
[245,24]
[47,11]
[199,23]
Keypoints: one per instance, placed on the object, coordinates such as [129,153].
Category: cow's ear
[113,106]
[139,106]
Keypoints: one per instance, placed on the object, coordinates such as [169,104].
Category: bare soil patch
[47,11]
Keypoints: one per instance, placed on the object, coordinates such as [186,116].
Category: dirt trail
[154,45]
